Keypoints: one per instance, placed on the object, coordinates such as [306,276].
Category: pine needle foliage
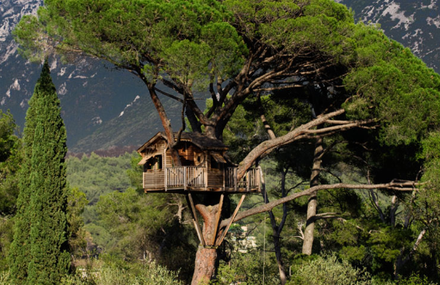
[39,251]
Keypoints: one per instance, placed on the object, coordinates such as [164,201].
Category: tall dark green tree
[39,251]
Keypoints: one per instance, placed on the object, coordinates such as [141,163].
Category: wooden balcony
[192,178]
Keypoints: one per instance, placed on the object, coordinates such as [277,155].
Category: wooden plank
[222,237]
[195,219]
[217,220]
[205,174]
[260,178]
[165,179]
[185,182]
[224,178]
[235,179]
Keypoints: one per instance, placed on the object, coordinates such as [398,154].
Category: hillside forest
[343,122]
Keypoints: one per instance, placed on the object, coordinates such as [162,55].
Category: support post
[248,182]
[184,178]
[222,237]
[205,174]
[224,178]
[260,178]
[165,180]
[217,220]
[195,219]
[235,179]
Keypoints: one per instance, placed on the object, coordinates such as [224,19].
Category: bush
[327,270]
[247,268]
[114,274]
[4,277]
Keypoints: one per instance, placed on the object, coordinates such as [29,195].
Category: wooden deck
[192,178]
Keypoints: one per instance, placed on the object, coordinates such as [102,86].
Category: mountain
[415,24]
[103,107]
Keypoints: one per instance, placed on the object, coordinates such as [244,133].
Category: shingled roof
[201,141]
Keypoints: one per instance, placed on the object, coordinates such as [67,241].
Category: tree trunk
[281,269]
[205,265]
[313,202]
[276,229]
[393,210]
[206,255]
[400,261]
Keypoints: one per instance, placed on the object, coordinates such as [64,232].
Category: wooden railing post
[224,178]
[184,178]
[235,179]
[165,179]
[205,174]
[247,181]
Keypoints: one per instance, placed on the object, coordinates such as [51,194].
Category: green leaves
[39,250]
[392,86]
[186,39]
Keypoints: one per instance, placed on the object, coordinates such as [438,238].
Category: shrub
[327,270]
[114,274]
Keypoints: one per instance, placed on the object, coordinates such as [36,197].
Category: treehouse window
[154,163]
[198,159]
[159,161]
[214,164]
[217,160]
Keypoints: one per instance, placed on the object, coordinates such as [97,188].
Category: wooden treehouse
[205,167]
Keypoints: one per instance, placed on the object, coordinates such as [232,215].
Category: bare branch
[402,186]
[283,140]
[168,95]
[301,236]
[268,89]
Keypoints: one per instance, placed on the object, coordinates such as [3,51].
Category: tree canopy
[238,49]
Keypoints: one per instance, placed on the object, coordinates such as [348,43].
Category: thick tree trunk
[206,255]
[205,265]
[310,225]
[313,202]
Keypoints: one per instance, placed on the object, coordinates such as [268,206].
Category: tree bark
[403,187]
[393,210]
[205,265]
[400,261]
[313,201]
[297,133]
[280,263]
[206,256]
[310,224]
[276,229]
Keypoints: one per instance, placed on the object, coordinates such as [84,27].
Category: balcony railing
[201,179]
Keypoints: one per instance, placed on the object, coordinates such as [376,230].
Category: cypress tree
[39,251]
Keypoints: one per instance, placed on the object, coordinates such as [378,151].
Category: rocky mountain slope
[415,24]
[103,107]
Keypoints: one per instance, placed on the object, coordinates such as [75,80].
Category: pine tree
[39,251]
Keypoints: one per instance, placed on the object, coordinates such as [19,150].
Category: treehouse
[204,167]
